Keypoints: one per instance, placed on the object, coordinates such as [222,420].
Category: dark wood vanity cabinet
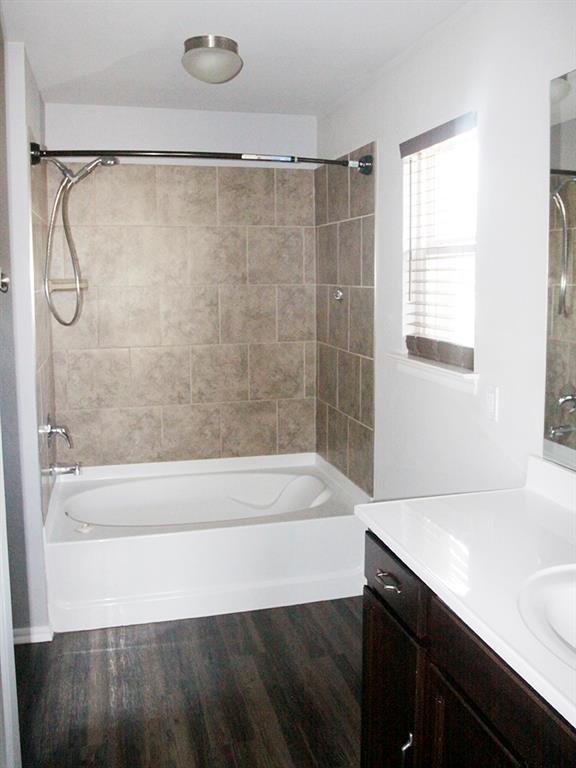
[434,695]
[389,695]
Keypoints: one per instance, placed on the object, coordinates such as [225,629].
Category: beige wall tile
[123,194]
[46,404]
[362,321]
[294,197]
[186,194]
[85,430]
[327,254]
[276,371]
[275,255]
[367,392]
[190,432]
[60,362]
[98,378]
[362,186]
[338,181]
[368,250]
[219,373]
[338,439]
[350,252]
[310,255]
[217,255]
[84,333]
[130,435]
[249,429]
[248,313]
[322,428]
[159,375]
[296,426]
[327,373]
[310,369]
[349,384]
[321,195]
[361,456]
[338,311]
[43,325]
[322,299]
[189,315]
[127,255]
[246,195]
[296,320]
[129,317]
[39,187]
[39,235]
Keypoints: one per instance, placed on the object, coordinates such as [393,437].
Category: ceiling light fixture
[212,58]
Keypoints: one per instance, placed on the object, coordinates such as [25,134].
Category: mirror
[560,408]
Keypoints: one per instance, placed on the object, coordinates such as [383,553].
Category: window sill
[447,375]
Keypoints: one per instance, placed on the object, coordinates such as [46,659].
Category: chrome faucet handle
[571,398]
[63,433]
[50,431]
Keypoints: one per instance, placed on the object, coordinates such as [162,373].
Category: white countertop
[476,551]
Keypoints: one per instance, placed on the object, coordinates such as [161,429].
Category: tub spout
[63,469]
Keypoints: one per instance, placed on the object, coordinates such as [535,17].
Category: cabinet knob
[389,581]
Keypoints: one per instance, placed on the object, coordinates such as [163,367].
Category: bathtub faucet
[64,469]
[51,431]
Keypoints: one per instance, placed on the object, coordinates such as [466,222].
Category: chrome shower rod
[364,164]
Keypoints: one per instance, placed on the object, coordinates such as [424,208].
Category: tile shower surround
[198,336]
[344,206]
[561,342]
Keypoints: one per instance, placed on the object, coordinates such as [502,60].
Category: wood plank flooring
[267,689]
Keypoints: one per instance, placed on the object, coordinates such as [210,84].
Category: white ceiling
[300,56]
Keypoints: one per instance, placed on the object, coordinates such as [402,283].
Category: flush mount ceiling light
[212,58]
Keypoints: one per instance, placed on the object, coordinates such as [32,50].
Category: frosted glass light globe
[212,58]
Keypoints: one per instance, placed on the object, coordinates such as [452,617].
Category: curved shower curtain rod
[363,165]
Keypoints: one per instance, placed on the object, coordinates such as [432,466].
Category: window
[440,195]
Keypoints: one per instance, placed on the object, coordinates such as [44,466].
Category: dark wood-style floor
[267,689]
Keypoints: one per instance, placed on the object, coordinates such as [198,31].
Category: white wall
[24,116]
[70,126]
[497,59]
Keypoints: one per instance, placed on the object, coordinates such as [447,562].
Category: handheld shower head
[87,169]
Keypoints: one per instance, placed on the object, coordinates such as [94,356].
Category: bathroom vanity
[470,628]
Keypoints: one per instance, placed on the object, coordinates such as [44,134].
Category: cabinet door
[454,735]
[389,689]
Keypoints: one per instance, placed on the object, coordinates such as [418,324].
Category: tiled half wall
[207,316]
[344,204]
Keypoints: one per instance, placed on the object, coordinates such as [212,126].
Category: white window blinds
[440,196]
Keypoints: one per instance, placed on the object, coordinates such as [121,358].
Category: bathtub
[155,542]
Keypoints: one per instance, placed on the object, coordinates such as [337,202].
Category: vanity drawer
[398,587]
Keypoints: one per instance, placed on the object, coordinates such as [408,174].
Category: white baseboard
[23,635]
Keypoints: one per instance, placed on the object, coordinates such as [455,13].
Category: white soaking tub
[155,542]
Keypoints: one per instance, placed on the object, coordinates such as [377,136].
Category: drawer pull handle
[388,581]
[406,747]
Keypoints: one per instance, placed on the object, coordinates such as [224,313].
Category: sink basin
[547,604]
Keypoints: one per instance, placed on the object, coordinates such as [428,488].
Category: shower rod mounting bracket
[363,165]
